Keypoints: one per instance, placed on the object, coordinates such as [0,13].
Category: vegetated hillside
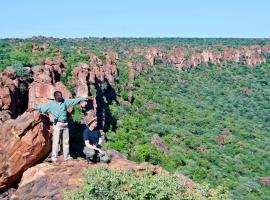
[214,119]
[210,121]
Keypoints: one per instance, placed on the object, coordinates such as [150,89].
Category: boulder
[43,74]
[49,181]
[116,154]
[41,93]
[156,140]
[24,141]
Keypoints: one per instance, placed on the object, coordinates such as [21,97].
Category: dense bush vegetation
[189,110]
[102,183]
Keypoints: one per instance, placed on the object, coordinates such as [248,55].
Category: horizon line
[133,37]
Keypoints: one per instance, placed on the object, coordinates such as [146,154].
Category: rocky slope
[52,181]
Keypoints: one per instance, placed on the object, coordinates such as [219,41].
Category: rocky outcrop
[50,72]
[181,58]
[152,54]
[36,48]
[46,80]
[41,93]
[24,142]
[49,181]
[11,97]
[156,140]
[189,57]
[86,77]
[16,95]
[93,79]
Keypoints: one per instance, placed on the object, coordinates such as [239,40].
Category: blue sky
[135,18]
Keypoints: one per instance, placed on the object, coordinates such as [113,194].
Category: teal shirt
[59,109]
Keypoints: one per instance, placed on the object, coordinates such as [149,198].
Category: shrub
[20,70]
[102,183]
[148,153]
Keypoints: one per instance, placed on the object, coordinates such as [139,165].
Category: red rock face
[35,48]
[89,79]
[139,68]
[41,93]
[10,102]
[131,70]
[26,139]
[24,142]
[184,58]
[59,86]
[57,66]
[47,181]
[46,82]
[151,54]
[43,74]
[5,95]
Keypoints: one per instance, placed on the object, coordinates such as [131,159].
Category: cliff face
[93,79]
[187,58]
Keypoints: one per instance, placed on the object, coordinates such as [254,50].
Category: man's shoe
[54,159]
[69,158]
[89,161]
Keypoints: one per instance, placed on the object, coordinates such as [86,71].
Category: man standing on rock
[93,140]
[58,108]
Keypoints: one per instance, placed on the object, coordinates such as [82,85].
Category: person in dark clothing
[93,140]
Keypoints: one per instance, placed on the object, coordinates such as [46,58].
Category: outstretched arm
[73,102]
